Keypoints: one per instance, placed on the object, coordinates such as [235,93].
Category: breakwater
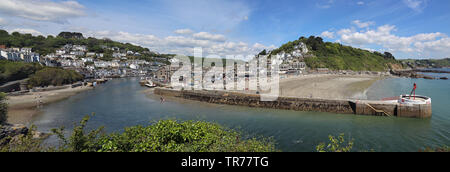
[378,108]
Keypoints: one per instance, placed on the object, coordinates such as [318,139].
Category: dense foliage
[428,62]
[339,57]
[3,108]
[46,45]
[54,76]
[162,136]
[12,71]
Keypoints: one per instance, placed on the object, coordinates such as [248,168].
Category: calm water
[120,103]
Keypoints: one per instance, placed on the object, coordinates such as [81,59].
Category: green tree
[79,141]
[54,76]
[388,55]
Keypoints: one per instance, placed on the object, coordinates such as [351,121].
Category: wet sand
[327,86]
[22,108]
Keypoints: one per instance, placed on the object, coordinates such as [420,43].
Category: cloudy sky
[407,28]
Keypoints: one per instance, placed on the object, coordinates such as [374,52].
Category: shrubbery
[336,145]
[12,71]
[55,77]
[162,136]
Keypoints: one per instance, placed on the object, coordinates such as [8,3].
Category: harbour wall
[377,108]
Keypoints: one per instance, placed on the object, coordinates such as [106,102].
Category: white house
[3,54]
[133,66]
[90,54]
[72,56]
[100,64]
[25,50]
[79,48]
[60,52]
[77,53]
[87,60]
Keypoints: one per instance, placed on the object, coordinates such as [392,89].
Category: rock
[11,131]
[428,77]
[39,135]
[444,78]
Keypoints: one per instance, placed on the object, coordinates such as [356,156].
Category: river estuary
[121,103]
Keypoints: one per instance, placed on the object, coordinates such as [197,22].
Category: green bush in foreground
[3,108]
[336,145]
[162,136]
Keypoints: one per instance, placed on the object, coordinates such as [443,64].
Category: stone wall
[251,100]
[302,104]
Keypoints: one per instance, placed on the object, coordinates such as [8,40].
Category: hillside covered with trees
[336,56]
[12,71]
[427,63]
[46,45]
[39,75]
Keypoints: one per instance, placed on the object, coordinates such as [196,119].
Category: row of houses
[19,54]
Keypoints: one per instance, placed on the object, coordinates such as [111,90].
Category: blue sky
[408,28]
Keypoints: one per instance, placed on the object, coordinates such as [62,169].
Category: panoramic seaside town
[78,82]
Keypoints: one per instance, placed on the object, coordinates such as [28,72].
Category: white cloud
[325,4]
[2,21]
[363,24]
[435,45]
[360,3]
[24,30]
[417,5]
[327,34]
[42,10]
[184,31]
[209,36]
[185,44]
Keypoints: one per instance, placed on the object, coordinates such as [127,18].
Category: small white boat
[150,86]
[148,83]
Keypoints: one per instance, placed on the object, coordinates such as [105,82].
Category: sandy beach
[324,86]
[327,86]
[23,107]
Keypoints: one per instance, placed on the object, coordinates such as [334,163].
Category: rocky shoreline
[415,74]
[10,132]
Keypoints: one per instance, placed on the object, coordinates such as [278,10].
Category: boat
[150,86]
[147,82]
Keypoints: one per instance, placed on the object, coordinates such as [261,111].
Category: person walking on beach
[162,100]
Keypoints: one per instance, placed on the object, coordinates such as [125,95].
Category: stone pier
[378,108]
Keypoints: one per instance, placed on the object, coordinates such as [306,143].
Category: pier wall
[300,104]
